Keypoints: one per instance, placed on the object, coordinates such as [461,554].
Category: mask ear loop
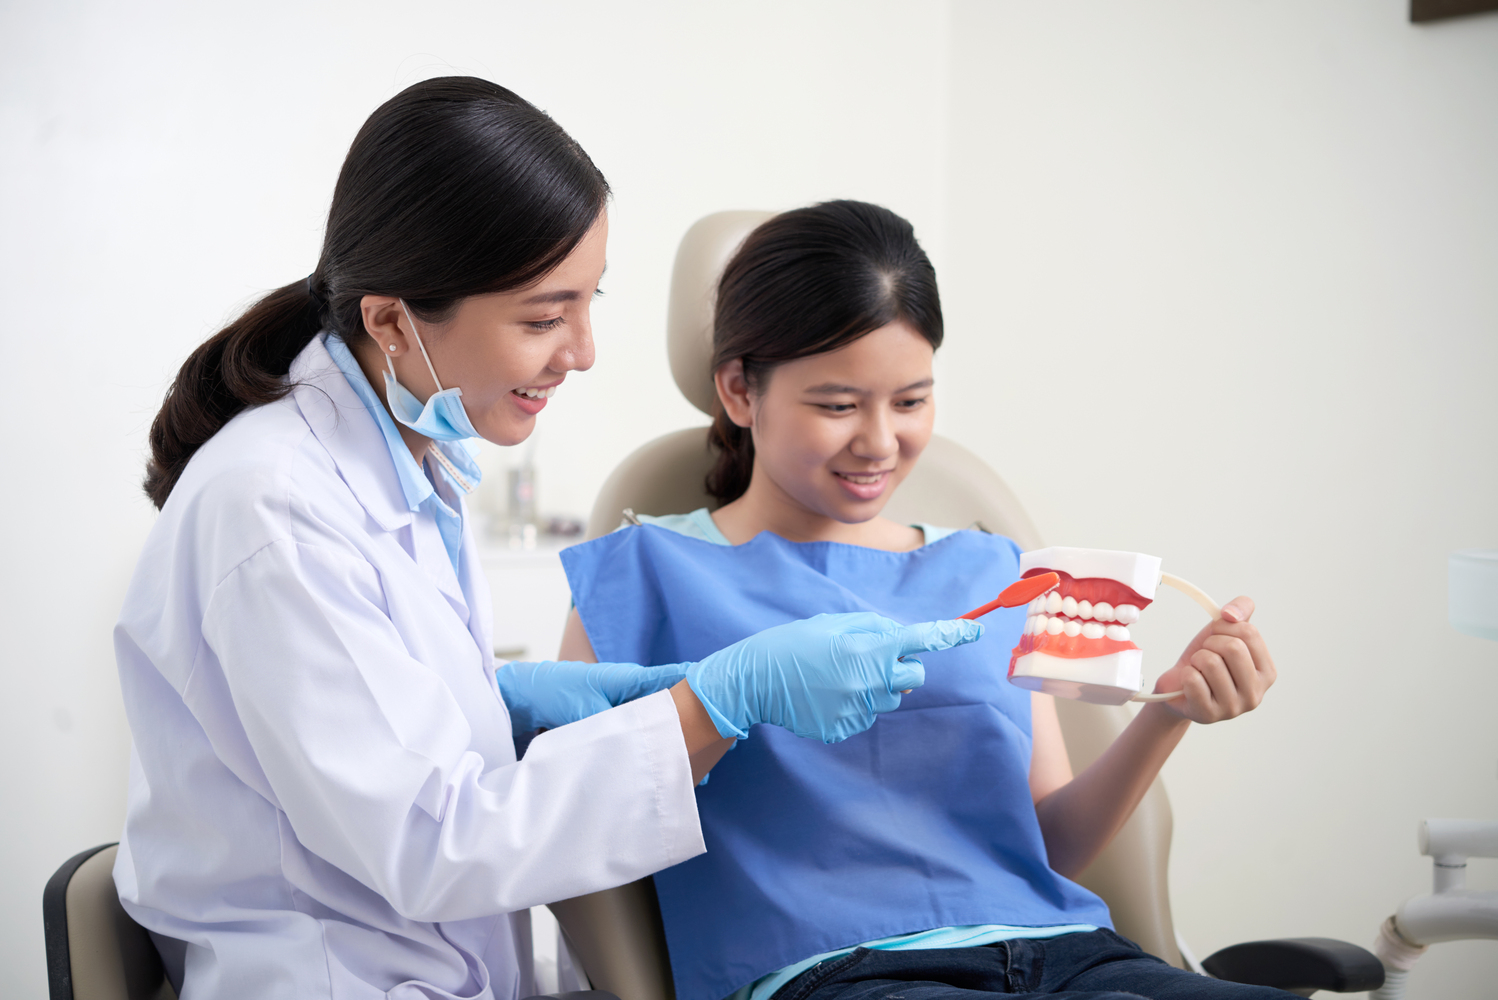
[425,357]
[1198,595]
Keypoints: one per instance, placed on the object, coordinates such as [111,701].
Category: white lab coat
[324,796]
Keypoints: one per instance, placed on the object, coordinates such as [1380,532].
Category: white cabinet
[531,599]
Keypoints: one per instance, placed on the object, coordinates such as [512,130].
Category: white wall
[1231,268]
[1255,239]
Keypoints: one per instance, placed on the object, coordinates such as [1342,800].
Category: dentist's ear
[385,324]
[733,393]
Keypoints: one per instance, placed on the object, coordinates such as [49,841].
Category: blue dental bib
[923,821]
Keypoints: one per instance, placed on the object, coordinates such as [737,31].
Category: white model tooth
[1054,626]
[1029,626]
[1073,628]
[1118,633]
[1036,606]
[1053,603]
[1126,613]
[1084,609]
[1037,624]
[1069,607]
[1092,630]
[1102,611]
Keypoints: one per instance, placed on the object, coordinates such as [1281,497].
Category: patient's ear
[733,393]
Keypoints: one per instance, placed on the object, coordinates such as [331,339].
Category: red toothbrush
[1018,593]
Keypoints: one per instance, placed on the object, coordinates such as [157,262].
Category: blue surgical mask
[443,418]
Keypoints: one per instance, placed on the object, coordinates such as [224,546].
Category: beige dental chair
[616,935]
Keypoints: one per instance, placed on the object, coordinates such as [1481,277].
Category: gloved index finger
[924,637]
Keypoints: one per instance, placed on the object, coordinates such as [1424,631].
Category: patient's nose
[875,439]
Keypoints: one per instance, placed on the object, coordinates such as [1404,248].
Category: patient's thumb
[925,637]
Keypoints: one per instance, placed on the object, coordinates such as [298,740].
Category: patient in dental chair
[929,856]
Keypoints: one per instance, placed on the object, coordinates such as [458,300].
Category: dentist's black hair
[454,187]
[806,282]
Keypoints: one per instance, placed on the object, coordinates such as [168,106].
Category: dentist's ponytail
[454,187]
[807,282]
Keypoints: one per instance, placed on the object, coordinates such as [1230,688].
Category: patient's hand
[1224,671]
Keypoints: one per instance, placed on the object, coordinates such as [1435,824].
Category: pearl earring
[392,347]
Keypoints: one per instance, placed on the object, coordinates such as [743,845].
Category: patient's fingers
[1239,609]
[1222,692]
[1247,680]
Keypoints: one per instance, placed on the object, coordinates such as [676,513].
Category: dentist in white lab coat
[325,799]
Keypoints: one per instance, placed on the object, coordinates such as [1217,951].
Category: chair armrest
[576,995]
[1298,965]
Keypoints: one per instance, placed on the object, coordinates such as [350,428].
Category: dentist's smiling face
[836,433]
[508,351]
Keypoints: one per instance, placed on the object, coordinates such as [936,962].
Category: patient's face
[837,432]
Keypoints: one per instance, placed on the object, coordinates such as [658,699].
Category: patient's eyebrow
[834,388]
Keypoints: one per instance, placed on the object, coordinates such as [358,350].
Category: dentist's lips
[864,485]
[1079,619]
[532,399]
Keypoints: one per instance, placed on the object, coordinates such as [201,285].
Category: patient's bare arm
[1225,672]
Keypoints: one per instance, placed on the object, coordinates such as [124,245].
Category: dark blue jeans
[1099,965]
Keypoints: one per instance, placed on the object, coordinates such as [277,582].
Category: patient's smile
[864,485]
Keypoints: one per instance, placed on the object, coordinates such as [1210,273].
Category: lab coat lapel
[344,427]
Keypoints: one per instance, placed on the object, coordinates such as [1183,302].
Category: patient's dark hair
[806,282]
[454,187]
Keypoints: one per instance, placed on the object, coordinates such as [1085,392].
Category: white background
[1220,286]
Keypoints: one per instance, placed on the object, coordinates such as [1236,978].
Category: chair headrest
[704,252]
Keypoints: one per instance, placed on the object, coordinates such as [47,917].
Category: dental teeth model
[1076,640]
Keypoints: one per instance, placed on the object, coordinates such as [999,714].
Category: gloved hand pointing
[824,677]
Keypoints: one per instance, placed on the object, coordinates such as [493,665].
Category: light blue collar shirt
[454,461]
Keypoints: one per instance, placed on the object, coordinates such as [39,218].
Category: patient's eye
[909,404]
[546,324]
[837,407]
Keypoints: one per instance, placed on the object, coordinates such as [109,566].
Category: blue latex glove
[554,693]
[825,677]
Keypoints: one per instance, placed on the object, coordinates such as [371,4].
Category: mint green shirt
[699,524]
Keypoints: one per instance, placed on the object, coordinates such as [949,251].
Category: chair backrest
[616,934]
[94,950]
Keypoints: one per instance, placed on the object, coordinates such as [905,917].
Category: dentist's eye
[837,407]
[910,404]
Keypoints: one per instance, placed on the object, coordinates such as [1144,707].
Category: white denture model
[1076,641]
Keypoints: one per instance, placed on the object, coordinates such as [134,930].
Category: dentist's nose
[576,354]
